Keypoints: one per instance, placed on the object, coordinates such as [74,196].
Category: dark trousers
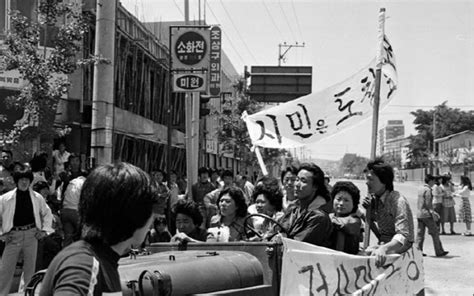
[429,223]
[70,221]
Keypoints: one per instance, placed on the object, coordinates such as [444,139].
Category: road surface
[450,275]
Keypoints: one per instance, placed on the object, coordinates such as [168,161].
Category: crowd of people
[44,212]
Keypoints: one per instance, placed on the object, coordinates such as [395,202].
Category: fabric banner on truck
[313,270]
[316,116]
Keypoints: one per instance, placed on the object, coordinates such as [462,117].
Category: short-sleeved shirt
[73,193]
[393,217]
[83,268]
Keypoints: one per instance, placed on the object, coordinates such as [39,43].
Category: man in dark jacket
[308,220]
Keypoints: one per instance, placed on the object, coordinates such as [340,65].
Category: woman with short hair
[346,233]
[188,220]
[232,210]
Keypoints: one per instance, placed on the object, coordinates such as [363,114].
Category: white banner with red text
[313,270]
[316,116]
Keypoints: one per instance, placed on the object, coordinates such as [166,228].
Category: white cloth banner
[316,116]
[313,270]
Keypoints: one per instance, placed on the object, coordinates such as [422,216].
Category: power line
[273,20]
[179,8]
[297,19]
[286,19]
[429,106]
[238,32]
[225,34]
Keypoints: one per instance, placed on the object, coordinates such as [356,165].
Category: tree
[353,164]
[233,134]
[447,120]
[43,71]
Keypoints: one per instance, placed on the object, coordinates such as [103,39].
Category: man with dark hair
[202,187]
[116,209]
[425,217]
[25,219]
[216,177]
[391,216]
[227,178]
[199,191]
[247,188]
[308,220]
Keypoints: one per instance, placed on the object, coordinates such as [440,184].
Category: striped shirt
[393,218]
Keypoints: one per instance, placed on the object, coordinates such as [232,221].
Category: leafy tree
[233,134]
[353,164]
[64,25]
[448,121]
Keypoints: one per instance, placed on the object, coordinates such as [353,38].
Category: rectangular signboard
[215,62]
[279,84]
[189,46]
[189,82]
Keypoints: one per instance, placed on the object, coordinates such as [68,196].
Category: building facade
[141,97]
[455,154]
[392,130]
[396,151]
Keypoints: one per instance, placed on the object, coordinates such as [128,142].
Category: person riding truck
[391,216]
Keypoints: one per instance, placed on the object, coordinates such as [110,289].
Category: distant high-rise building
[394,129]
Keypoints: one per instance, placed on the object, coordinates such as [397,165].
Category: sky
[433,42]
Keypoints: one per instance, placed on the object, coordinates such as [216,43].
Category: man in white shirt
[70,210]
[60,157]
[25,219]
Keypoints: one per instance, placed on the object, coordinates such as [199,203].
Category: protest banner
[313,270]
[316,116]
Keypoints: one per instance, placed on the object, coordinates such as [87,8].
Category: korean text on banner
[316,116]
[313,270]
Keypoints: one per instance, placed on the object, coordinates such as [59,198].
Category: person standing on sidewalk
[449,213]
[426,217]
[438,193]
[465,212]
[25,219]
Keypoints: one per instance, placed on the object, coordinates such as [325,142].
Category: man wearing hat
[391,216]
[25,219]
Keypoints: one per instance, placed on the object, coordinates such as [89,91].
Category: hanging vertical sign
[215,62]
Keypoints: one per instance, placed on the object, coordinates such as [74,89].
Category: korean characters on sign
[190,48]
[215,62]
[189,82]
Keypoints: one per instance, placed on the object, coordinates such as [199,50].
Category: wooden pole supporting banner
[375,116]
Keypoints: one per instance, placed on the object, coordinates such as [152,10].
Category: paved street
[450,275]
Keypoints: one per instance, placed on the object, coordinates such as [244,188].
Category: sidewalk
[453,274]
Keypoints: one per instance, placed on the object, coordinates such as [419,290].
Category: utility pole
[192,127]
[103,91]
[375,114]
[281,56]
